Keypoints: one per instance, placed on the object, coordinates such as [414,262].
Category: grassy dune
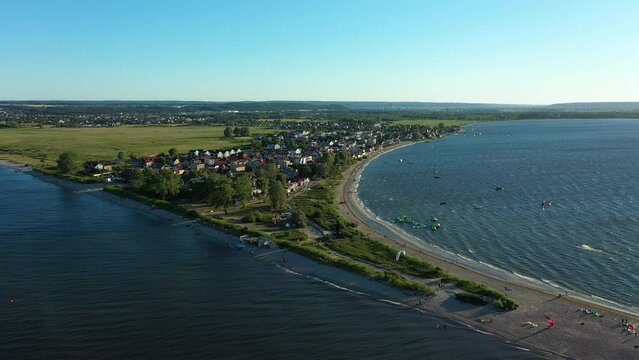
[30,144]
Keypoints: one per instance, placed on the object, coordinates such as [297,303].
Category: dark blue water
[92,279]
[588,240]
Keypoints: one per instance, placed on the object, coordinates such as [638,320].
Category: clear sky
[511,51]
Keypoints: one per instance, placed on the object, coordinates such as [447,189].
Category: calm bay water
[588,240]
[92,279]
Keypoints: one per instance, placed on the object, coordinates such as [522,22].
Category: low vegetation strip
[319,204]
[71,177]
[180,210]
[290,239]
[471,298]
[390,277]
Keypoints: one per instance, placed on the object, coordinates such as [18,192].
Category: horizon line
[325,101]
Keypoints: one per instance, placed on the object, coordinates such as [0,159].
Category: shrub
[249,217]
[471,298]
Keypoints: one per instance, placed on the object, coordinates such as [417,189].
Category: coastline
[598,337]
[67,184]
[505,325]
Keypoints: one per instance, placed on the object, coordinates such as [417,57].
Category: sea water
[487,185]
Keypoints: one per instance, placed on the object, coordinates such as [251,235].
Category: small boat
[435,177]
[433,219]
[477,207]
[499,188]
[442,203]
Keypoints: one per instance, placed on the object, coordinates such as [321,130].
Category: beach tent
[632,326]
[399,253]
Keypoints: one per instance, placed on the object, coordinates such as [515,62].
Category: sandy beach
[576,334]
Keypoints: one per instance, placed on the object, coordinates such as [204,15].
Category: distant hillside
[596,106]
[387,105]
[272,106]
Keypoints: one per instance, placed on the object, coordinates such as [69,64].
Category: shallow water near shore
[93,279]
[587,241]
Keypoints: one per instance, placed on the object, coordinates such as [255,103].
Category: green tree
[173,152]
[243,188]
[220,191]
[138,180]
[164,184]
[262,184]
[277,195]
[329,160]
[306,171]
[281,178]
[228,132]
[299,218]
[68,162]
[321,171]
[269,171]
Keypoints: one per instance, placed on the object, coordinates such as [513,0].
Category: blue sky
[402,50]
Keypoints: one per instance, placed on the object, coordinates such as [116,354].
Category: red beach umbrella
[632,326]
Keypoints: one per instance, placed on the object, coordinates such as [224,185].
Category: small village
[297,153]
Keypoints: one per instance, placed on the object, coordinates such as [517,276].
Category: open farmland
[30,145]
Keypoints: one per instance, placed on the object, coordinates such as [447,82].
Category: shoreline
[354,284]
[437,306]
[353,202]
[596,338]
[66,184]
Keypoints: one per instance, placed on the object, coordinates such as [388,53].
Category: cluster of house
[304,147]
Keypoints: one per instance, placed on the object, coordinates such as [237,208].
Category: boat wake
[590,248]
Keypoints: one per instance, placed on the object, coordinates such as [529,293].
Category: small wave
[526,277]
[324,281]
[392,302]
[552,283]
[465,258]
[470,251]
[483,332]
[608,301]
[491,266]
[332,284]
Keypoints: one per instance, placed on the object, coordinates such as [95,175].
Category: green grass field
[28,145]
